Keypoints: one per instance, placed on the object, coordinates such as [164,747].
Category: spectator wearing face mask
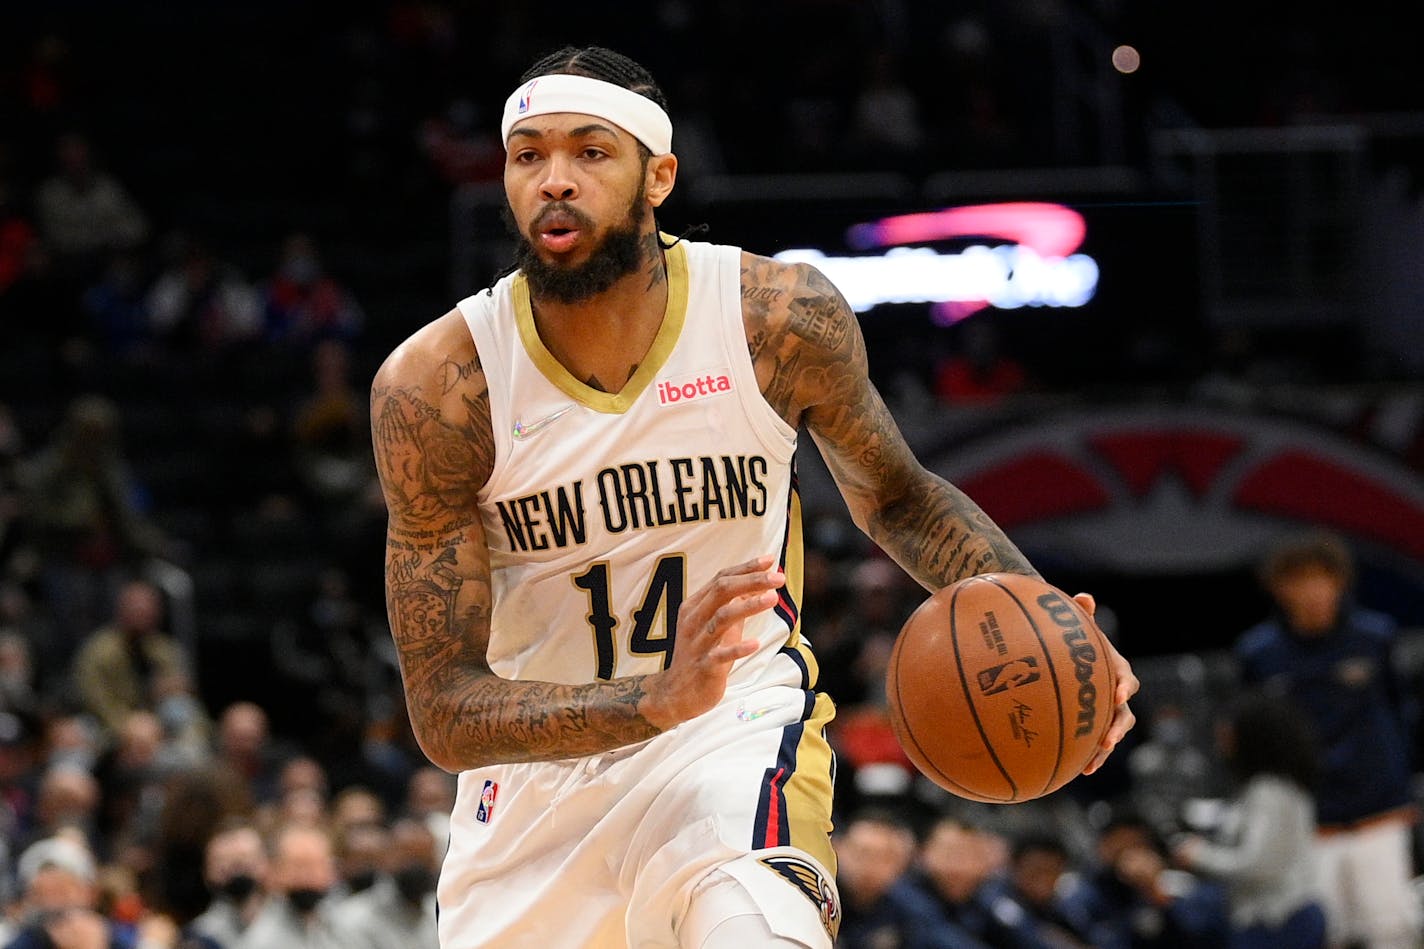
[235,870]
[398,910]
[297,914]
[303,303]
[362,850]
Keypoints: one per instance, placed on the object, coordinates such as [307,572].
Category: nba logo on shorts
[524,96]
[485,812]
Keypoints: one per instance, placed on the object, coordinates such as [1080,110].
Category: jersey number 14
[663,597]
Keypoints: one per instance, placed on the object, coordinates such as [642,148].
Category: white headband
[637,114]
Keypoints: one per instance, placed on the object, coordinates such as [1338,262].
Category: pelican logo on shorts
[525,96]
[485,812]
[807,878]
[1008,675]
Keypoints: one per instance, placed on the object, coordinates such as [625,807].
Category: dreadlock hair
[597,62]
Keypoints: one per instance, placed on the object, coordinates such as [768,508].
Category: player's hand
[1123,719]
[709,641]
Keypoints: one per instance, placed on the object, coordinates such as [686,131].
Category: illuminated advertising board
[1033,261]
[1098,289]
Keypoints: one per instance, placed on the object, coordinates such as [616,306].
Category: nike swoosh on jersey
[522,431]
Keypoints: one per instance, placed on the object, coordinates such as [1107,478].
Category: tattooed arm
[434,450]
[810,360]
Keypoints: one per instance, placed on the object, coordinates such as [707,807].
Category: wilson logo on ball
[1083,654]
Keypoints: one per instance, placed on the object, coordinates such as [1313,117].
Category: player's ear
[661,176]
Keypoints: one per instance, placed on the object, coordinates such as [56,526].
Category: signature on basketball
[1019,714]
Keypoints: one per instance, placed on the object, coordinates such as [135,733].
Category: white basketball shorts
[605,851]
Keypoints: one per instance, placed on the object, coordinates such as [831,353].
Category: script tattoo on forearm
[945,536]
[816,355]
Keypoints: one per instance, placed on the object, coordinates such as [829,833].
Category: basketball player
[593,558]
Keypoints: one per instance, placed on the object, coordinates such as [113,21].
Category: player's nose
[558,183]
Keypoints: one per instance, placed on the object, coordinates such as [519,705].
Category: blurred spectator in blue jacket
[880,906]
[303,303]
[1043,883]
[1139,901]
[962,869]
[1333,659]
[116,306]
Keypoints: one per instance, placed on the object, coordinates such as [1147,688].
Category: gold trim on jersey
[610,403]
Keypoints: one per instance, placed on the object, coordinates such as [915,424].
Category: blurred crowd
[1277,809]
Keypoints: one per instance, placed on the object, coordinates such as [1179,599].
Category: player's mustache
[565,213]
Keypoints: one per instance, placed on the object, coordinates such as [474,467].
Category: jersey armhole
[479,312]
[770,427]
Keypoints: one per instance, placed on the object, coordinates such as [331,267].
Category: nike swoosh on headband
[522,431]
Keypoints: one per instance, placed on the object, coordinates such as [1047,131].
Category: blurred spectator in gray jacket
[83,211]
[298,913]
[235,870]
[398,910]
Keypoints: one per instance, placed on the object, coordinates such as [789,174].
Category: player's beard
[618,254]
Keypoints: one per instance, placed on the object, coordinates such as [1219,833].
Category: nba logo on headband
[640,116]
[524,96]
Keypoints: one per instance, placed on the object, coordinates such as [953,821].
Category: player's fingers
[738,609]
[755,565]
[728,586]
[731,652]
[1126,679]
[1087,602]
[1127,684]
[1122,722]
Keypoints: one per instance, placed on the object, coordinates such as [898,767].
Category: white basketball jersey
[604,510]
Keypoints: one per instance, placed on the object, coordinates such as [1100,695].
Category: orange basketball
[999,688]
